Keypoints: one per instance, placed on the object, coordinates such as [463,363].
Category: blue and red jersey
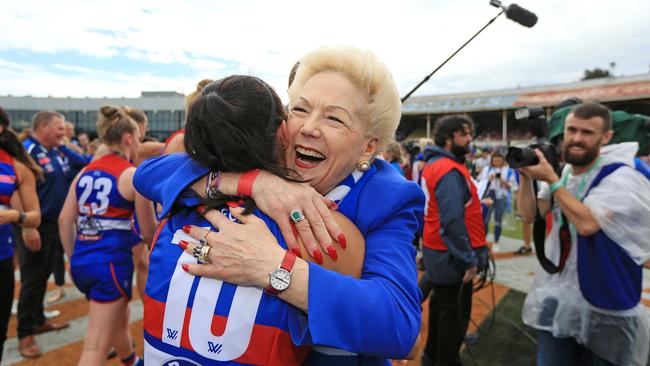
[105,218]
[192,320]
[8,185]
[379,315]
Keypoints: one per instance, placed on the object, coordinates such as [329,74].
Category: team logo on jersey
[214,347]
[179,361]
[89,228]
[172,334]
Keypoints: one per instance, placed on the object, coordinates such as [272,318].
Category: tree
[595,74]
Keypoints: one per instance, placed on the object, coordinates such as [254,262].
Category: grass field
[503,339]
[510,227]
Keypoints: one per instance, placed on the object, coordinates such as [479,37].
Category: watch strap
[288,261]
[21,217]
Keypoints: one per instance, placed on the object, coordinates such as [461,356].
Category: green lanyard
[581,187]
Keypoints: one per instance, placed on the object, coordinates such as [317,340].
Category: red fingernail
[185,267]
[186,228]
[334,205]
[332,252]
[296,251]
[232,204]
[200,208]
[318,256]
[342,240]
[182,244]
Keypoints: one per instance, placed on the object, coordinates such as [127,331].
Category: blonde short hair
[425,142]
[368,74]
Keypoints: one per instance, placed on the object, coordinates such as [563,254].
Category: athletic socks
[132,360]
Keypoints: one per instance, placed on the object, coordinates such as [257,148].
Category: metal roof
[602,89]
[149,101]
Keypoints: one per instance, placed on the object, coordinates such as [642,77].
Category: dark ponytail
[10,143]
[232,127]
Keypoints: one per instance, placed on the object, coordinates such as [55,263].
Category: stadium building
[165,110]
[493,111]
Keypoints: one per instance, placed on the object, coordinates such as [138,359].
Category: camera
[499,175]
[518,157]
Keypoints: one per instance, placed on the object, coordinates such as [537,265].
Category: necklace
[120,154]
[581,187]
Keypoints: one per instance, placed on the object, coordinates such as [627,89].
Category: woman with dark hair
[231,125]
[18,172]
[344,109]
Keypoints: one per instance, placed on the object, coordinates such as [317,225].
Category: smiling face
[583,139]
[326,131]
[50,134]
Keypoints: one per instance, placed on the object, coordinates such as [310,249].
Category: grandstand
[493,111]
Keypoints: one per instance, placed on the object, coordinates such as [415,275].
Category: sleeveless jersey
[192,320]
[172,136]
[431,237]
[105,218]
[8,184]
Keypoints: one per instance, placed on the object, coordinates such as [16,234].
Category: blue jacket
[58,165]
[378,315]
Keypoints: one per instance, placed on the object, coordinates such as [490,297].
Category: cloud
[172,44]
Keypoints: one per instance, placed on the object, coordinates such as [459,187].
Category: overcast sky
[119,48]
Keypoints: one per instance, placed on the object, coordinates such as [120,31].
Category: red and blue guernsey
[8,184]
[191,320]
[105,219]
[379,316]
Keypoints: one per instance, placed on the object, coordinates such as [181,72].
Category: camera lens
[521,156]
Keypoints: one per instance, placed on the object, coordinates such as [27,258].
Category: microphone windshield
[521,15]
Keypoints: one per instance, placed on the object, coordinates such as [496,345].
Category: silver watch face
[280,279]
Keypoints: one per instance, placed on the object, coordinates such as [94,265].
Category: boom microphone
[514,12]
[520,15]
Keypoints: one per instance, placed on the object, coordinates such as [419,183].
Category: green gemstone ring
[297,216]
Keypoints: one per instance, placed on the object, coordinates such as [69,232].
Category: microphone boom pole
[449,58]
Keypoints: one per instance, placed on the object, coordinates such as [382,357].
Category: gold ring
[202,240]
[205,250]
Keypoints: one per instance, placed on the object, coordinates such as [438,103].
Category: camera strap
[564,232]
[539,237]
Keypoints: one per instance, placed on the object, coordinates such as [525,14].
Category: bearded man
[453,239]
[588,312]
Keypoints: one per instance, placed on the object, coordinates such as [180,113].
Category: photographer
[588,312]
[500,180]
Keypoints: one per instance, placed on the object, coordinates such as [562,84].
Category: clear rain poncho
[621,205]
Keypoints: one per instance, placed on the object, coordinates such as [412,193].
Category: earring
[363,166]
